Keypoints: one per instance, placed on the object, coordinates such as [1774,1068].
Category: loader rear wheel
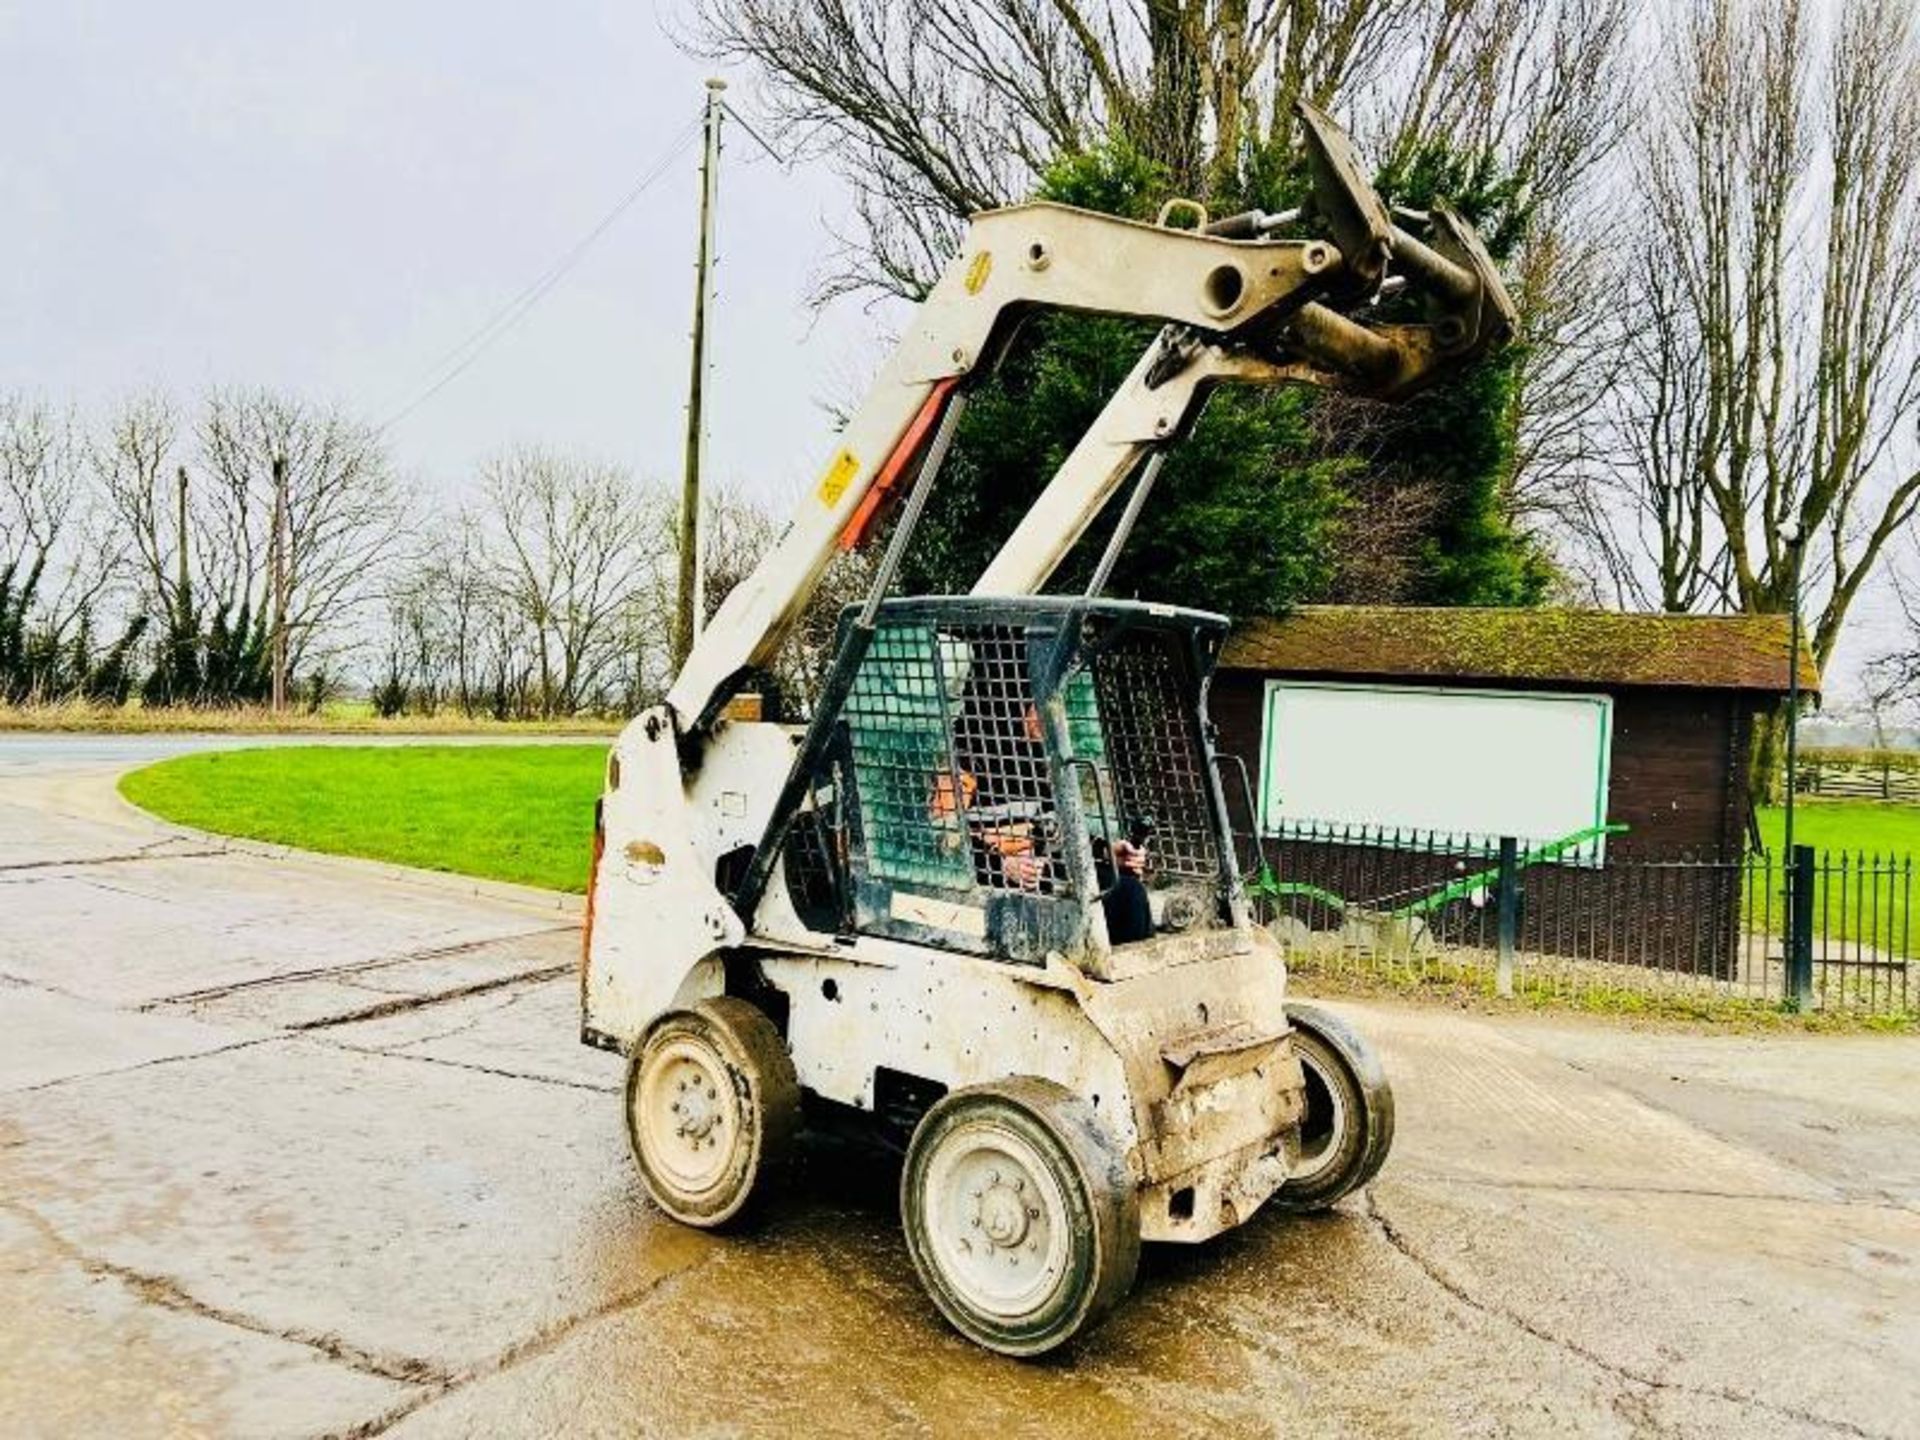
[1348,1127]
[712,1110]
[1020,1216]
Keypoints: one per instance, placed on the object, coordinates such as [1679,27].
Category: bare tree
[1537,83]
[455,632]
[1774,368]
[134,457]
[570,545]
[487,669]
[346,510]
[1892,681]
[53,529]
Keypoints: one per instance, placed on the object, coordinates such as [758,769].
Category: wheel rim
[688,1116]
[1324,1128]
[996,1221]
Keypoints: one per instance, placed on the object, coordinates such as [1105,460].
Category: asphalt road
[292,1147]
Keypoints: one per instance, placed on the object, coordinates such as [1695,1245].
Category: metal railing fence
[1431,909]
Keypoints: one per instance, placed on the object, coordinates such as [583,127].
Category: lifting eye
[1038,256]
[1223,290]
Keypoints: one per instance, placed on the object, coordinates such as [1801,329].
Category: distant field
[522,813]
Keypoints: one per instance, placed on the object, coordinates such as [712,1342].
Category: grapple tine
[1346,202]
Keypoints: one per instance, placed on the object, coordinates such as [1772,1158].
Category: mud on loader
[902,912]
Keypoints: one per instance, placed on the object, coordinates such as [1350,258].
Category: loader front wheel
[1020,1216]
[1348,1127]
[712,1110]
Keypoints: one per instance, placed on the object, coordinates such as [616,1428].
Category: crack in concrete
[379,1053]
[26,982]
[539,1343]
[401,1004]
[169,1294]
[354,967]
[481,1012]
[1839,1198]
[131,857]
[1405,1247]
[148,1064]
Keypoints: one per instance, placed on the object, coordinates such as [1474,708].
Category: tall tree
[1275,497]
[933,109]
[1773,367]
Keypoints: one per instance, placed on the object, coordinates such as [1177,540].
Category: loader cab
[987,760]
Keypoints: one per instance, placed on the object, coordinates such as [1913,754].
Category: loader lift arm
[1238,305]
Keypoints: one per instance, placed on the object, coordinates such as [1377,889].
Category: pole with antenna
[689,613]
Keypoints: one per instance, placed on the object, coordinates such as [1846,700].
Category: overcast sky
[328,198]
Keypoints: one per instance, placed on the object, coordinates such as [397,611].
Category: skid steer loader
[903,911]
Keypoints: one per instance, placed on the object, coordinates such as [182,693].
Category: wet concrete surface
[289,1149]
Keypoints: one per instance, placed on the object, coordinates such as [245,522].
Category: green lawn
[1850,825]
[506,812]
[1872,909]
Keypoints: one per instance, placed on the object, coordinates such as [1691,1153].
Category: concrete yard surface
[291,1148]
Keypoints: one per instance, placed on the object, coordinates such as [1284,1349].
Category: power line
[503,320]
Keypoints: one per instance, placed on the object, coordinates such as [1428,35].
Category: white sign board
[1358,760]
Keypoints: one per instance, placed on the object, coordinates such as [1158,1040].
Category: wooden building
[1419,731]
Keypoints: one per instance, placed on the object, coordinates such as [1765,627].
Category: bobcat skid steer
[902,911]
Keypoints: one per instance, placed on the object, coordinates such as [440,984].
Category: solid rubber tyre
[712,1110]
[1020,1216]
[1348,1128]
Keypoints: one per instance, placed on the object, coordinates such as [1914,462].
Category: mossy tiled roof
[1588,647]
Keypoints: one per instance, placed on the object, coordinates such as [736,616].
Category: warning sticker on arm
[839,475]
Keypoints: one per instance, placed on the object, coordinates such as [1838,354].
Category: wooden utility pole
[277,549]
[180,583]
[689,613]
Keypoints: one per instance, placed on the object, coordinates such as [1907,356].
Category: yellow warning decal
[839,475]
[978,271]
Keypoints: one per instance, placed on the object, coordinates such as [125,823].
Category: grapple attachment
[1464,309]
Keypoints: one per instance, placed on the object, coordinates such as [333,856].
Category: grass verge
[521,813]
